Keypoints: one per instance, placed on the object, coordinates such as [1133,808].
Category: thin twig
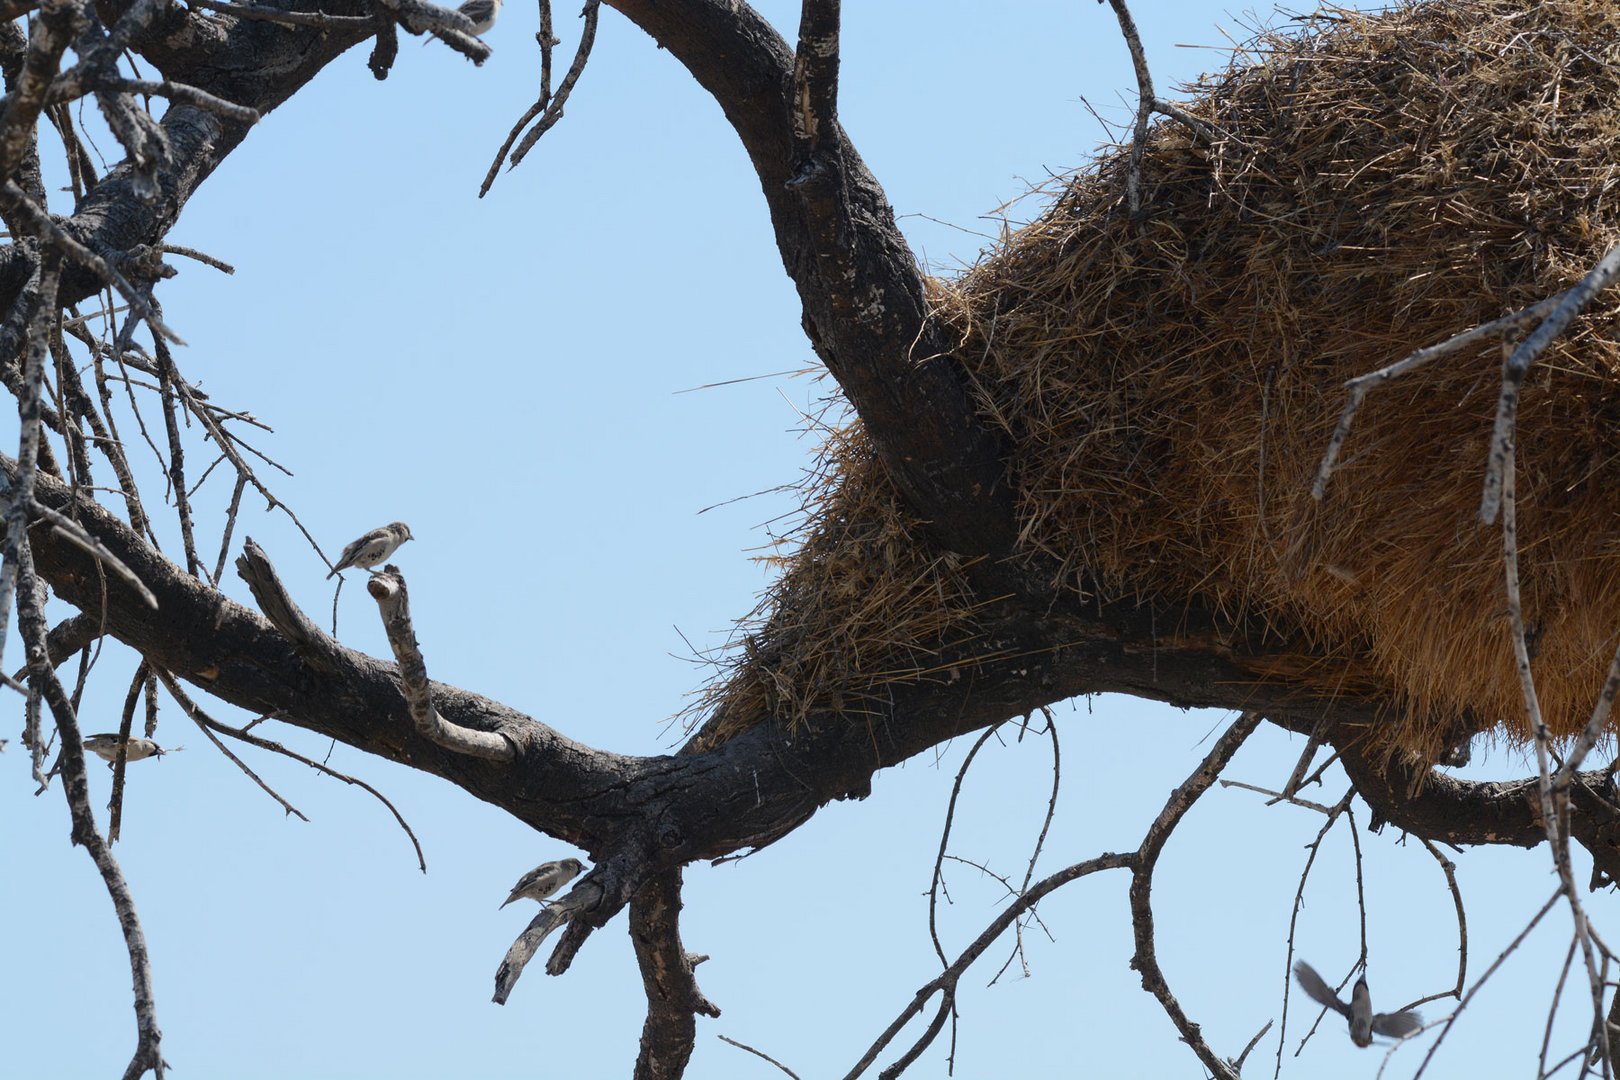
[274,747]
[148,1056]
[126,723]
[177,459]
[200,256]
[1358,387]
[1237,1062]
[230,525]
[548,107]
[938,878]
[1552,1008]
[1468,997]
[1449,868]
[1146,961]
[1570,304]
[1147,103]
[185,95]
[947,979]
[1314,847]
[1277,796]
[1553,804]
[759,1054]
[197,716]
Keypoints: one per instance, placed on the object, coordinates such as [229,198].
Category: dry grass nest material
[1375,183]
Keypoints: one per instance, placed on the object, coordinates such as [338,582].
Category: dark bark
[256,64]
[865,311]
[864,308]
[669,810]
[673,999]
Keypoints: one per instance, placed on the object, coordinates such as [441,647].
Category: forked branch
[1141,863]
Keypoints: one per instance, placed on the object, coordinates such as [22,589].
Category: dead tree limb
[394,605]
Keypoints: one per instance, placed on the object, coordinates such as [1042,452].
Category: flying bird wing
[1397,1025]
[1318,990]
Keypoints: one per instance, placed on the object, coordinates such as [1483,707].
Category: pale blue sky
[520,359]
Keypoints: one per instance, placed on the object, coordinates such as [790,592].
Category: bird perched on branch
[481,13]
[1364,1023]
[545,879]
[105,747]
[374,547]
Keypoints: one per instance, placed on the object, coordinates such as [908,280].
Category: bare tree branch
[863,297]
[759,1054]
[1514,368]
[393,604]
[1141,864]
[148,1056]
[673,997]
[1146,961]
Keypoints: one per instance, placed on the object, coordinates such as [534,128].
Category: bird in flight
[1364,1023]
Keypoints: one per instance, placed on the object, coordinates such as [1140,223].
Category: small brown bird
[374,547]
[545,879]
[105,747]
[1364,1023]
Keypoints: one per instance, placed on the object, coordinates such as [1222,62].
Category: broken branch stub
[393,605]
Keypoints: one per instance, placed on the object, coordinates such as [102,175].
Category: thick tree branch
[673,998]
[253,65]
[815,81]
[864,307]
[765,782]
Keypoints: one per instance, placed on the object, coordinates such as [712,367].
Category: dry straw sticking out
[1379,183]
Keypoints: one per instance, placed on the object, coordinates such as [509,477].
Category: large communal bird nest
[1170,380]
